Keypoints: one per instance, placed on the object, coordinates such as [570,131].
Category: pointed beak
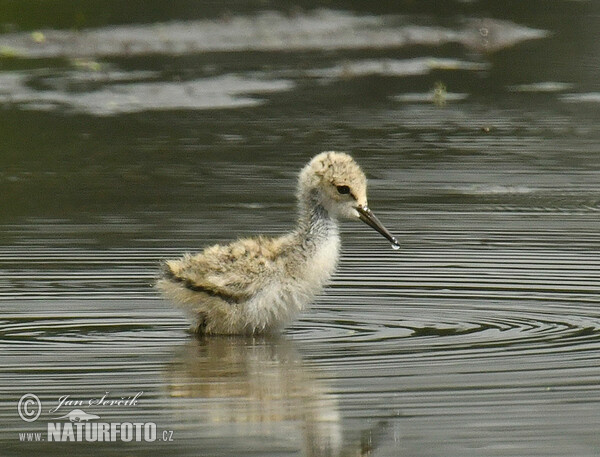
[367,216]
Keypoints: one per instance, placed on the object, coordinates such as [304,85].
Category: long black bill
[367,216]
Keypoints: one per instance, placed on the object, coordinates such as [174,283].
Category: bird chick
[258,285]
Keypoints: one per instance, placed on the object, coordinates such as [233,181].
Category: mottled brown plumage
[259,284]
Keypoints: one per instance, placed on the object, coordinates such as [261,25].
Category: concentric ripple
[87,329]
[469,322]
[457,300]
[450,331]
[452,297]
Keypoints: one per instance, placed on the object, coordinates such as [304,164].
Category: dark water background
[134,131]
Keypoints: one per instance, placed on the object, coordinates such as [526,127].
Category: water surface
[130,137]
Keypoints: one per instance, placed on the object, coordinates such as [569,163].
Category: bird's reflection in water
[258,388]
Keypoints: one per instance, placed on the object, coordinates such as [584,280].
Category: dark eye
[343,189]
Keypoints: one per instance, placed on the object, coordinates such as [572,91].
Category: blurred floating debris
[440,94]
[546,86]
[486,129]
[267,31]
[7,52]
[38,37]
[590,97]
[392,67]
[207,93]
[232,137]
[104,75]
[85,64]
[429,97]
[455,64]
[490,35]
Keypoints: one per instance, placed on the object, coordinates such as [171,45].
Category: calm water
[132,131]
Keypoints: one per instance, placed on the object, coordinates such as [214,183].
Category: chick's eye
[343,189]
